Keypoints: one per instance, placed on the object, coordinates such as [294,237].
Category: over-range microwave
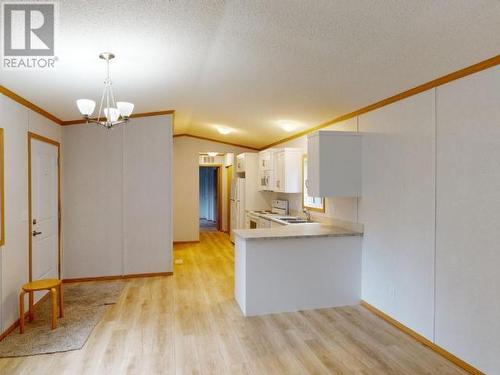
[265,180]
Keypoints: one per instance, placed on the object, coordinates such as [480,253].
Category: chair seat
[41,285]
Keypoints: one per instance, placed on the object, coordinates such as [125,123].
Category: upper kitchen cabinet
[266,170]
[287,170]
[334,164]
[240,163]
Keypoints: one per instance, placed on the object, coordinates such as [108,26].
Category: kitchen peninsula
[296,267]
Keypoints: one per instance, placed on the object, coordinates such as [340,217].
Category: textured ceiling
[254,65]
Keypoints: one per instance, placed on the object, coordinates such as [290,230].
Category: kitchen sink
[290,220]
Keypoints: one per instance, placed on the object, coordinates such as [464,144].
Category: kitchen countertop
[294,231]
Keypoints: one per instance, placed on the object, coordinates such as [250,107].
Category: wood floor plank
[189,323]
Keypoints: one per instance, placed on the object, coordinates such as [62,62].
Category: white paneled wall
[468,219]
[92,209]
[17,121]
[117,198]
[147,184]
[397,208]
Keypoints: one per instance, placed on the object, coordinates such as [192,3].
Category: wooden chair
[53,286]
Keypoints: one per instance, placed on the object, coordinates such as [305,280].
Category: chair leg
[31,315]
[61,301]
[53,295]
[21,311]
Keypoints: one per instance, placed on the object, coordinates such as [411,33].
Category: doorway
[44,208]
[210,215]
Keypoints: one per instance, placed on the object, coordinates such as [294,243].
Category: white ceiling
[250,64]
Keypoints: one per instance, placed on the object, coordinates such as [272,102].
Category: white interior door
[44,210]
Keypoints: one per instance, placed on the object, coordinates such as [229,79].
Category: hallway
[189,323]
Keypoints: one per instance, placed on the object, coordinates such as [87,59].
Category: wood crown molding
[483,65]
[134,115]
[216,140]
[436,348]
[19,99]
[12,95]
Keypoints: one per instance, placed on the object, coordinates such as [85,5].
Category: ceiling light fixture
[289,125]
[113,113]
[223,130]
[212,154]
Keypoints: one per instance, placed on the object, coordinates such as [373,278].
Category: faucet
[307,213]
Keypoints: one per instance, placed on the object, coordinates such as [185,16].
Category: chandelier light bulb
[111,114]
[125,108]
[85,106]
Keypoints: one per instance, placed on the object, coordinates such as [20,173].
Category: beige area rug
[84,306]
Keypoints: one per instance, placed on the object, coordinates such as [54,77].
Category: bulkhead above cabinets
[334,164]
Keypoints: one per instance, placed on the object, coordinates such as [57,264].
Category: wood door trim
[219,198]
[2,188]
[229,178]
[436,348]
[219,191]
[37,137]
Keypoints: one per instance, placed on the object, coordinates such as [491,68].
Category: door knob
[35,233]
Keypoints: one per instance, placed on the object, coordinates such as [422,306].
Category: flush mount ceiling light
[223,130]
[289,125]
[110,113]
[212,153]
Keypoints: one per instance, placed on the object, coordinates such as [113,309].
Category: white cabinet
[287,170]
[228,159]
[333,164]
[240,163]
[266,160]
[266,173]
[280,170]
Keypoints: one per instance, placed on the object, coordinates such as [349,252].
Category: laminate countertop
[294,231]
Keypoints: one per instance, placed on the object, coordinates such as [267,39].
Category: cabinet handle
[307,184]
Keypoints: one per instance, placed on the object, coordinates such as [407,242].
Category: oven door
[253,223]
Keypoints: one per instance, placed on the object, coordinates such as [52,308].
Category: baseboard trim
[185,242]
[115,277]
[442,352]
[14,325]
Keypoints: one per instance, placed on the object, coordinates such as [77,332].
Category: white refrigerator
[237,200]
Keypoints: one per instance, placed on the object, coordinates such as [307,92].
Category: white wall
[397,209]
[17,121]
[186,183]
[117,198]
[468,219]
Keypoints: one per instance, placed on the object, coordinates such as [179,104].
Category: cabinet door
[279,171]
[240,163]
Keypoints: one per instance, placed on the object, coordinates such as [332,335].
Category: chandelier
[110,113]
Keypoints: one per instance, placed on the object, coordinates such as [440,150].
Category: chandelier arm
[112,95]
[100,105]
[107,86]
